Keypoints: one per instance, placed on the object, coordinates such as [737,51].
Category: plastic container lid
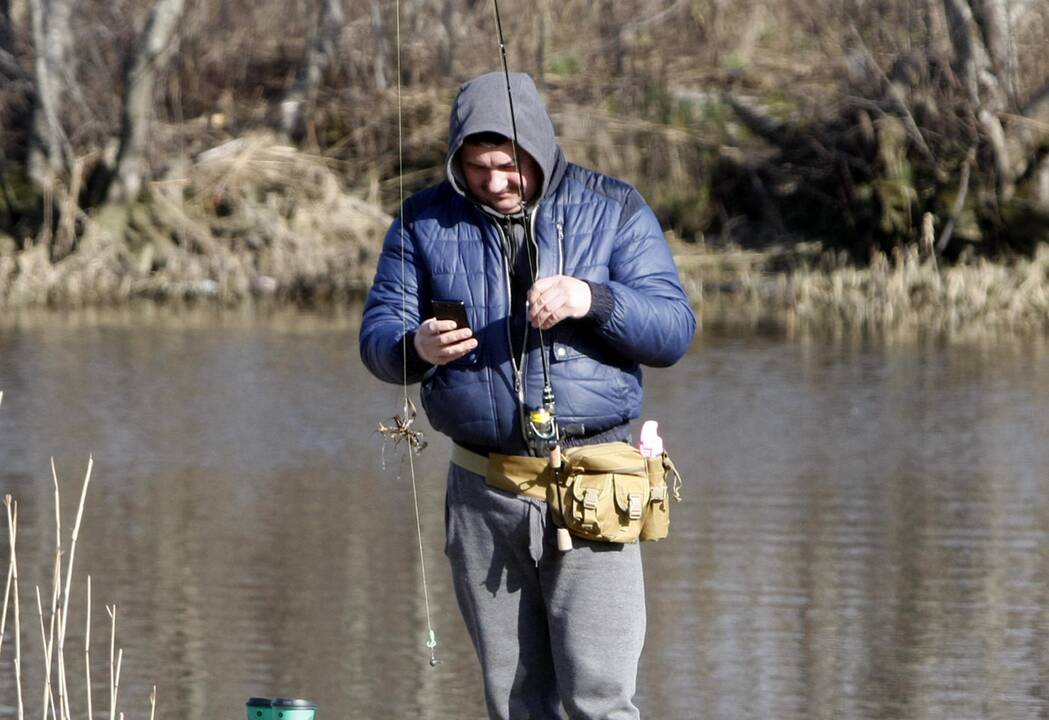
[297,703]
[651,444]
[258,702]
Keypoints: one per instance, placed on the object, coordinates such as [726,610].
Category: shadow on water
[863,532]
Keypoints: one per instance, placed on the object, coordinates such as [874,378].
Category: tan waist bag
[607,492]
[611,493]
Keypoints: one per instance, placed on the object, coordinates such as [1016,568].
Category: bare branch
[381,45]
[992,16]
[52,38]
[320,55]
[758,121]
[959,203]
[1037,107]
[969,55]
[896,95]
[155,48]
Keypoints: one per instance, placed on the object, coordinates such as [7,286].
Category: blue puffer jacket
[587,225]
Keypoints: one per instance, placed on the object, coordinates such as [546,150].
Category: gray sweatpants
[550,628]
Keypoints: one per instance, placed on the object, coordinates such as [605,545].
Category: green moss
[733,60]
[562,63]
[683,209]
[19,190]
[896,200]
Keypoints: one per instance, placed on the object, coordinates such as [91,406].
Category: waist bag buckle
[634,507]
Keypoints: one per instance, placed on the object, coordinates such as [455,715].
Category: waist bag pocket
[657,519]
[603,494]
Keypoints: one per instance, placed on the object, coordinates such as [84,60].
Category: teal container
[259,708]
[293,709]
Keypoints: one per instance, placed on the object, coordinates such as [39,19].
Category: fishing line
[407,408]
[548,390]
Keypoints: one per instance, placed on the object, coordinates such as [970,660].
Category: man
[529,242]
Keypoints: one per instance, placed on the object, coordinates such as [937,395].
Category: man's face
[493,178]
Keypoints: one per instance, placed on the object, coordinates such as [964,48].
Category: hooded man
[546,256]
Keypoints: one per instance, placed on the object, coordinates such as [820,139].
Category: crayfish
[400,428]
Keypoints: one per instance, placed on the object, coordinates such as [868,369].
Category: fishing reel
[544,438]
[541,430]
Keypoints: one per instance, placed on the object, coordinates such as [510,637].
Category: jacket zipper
[520,367]
[560,248]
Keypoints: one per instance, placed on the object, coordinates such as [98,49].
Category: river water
[863,532]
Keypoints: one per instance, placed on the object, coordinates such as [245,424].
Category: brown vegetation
[753,122]
[54,621]
[248,217]
[904,293]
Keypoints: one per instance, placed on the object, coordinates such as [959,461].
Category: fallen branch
[959,203]
[896,98]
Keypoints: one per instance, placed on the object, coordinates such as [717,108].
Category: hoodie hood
[482,106]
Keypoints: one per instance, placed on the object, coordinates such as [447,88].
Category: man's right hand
[438,342]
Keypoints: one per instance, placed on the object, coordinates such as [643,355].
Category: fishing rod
[402,423]
[542,432]
[549,432]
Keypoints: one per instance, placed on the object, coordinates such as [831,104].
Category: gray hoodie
[482,106]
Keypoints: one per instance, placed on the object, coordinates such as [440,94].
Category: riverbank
[249,218]
[253,220]
[904,294]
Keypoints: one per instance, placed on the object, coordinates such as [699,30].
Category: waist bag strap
[513,473]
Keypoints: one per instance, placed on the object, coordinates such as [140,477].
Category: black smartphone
[451,310]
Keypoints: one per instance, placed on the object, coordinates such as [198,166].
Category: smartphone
[451,310]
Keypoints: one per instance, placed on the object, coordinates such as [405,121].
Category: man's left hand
[552,299]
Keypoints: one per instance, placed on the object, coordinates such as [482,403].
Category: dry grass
[904,294]
[250,217]
[56,702]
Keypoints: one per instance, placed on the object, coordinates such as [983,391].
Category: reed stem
[87,652]
[49,700]
[12,529]
[56,590]
[116,679]
[7,596]
[113,680]
[72,553]
[63,691]
[63,618]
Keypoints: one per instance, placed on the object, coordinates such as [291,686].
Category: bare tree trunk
[49,151]
[449,42]
[1042,189]
[540,44]
[381,46]
[987,97]
[321,52]
[1037,108]
[5,27]
[155,48]
[993,19]
[967,50]
[609,29]
[9,68]
[1029,132]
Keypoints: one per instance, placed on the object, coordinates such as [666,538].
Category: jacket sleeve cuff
[602,301]
[416,365]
